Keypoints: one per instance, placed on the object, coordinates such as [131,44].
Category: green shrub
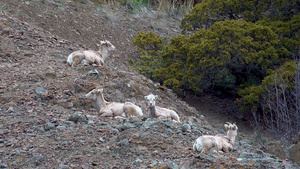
[228,54]
[206,13]
[150,46]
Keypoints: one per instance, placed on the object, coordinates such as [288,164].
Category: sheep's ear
[101,42]
[98,44]
[226,126]
[100,90]
[146,97]
[155,96]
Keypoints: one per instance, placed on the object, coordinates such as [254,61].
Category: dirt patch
[39,92]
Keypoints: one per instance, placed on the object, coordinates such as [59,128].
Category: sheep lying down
[207,142]
[90,56]
[112,109]
[220,143]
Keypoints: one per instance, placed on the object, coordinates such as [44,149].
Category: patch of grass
[265,140]
[83,1]
[173,8]
[98,5]
[131,61]
[132,11]
[134,5]
[123,2]
[140,3]
[240,138]
[165,41]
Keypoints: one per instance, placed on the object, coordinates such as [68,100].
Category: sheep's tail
[70,59]
[139,111]
[197,146]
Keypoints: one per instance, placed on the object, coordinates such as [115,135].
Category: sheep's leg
[204,150]
[77,59]
[160,117]
[106,114]
[163,118]
[99,62]
[225,149]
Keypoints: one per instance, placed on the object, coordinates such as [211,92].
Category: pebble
[137,161]
[172,165]
[61,128]
[186,128]
[38,159]
[69,122]
[64,143]
[3,166]
[48,126]
[62,166]
[124,142]
[41,91]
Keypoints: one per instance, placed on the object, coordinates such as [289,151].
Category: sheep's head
[151,99]
[106,44]
[230,126]
[232,131]
[94,93]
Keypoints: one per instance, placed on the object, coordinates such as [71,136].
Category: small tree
[276,102]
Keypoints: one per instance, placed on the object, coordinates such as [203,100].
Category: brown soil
[36,38]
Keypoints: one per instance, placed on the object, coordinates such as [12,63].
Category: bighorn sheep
[112,109]
[159,112]
[90,56]
[220,142]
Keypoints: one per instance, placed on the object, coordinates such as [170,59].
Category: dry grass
[175,7]
[170,7]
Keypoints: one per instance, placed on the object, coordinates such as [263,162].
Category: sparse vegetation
[170,7]
[98,5]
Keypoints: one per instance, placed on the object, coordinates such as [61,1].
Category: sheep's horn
[228,123]
[234,125]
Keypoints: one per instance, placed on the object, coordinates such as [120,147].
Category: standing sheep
[159,112]
[112,109]
[90,56]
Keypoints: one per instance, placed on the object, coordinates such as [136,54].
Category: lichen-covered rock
[78,118]
[38,159]
[275,147]
[295,153]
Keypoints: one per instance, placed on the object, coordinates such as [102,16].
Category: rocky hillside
[42,98]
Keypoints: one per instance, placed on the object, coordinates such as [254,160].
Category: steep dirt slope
[39,93]
[89,23]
